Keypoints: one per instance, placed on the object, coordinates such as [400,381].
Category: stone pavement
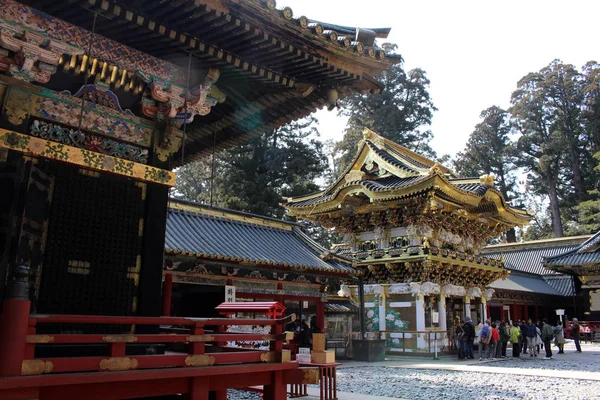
[576,362]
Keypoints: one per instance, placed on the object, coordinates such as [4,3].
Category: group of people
[525,337]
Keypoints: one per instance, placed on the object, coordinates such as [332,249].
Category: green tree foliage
[253,177]
[401,113]
[490,150]
[588,211]
[547,107]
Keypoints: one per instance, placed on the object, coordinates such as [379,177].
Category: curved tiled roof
[379,185]
[476,188]
[563,284]
[586,253]
[529,260]
[207,236]
[525,283]
[402,157]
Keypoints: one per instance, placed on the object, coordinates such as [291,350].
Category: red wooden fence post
[14,321]
[276,390]
[167,295]
[198,389]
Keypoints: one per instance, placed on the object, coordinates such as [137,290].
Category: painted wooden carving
[167,100]
[35,55]
[104,49]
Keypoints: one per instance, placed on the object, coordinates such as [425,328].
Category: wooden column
[420,320]
[276,390]
[14,321]
[167,294]
[199,388]
[155,221]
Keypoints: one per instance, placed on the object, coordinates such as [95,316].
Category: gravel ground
[242,395]
[555,364]
[449,385]
[435,384]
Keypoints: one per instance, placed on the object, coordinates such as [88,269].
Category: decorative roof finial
[487,179]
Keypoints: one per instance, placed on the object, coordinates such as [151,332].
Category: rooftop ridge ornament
[31,47]
[487,179]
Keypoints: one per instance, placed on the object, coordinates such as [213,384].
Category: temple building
[99,102]
[583,264]
[416,230]
[209,249]
[532,290]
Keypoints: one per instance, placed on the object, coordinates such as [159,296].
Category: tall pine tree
[490,150]
[402,113]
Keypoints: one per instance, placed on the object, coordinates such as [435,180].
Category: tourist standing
[523,339]
[531,335]
[504,337]
[576,333]
[559,337]
[515,335]
[460,340]
[494,341]
[485,335]
[547,336]
[469,329]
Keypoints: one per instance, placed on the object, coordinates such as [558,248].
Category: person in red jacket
[493,341]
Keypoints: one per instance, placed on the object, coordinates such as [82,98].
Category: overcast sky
[474,52]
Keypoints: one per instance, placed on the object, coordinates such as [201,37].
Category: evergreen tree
[588,211]
[541,144]
[254,176]
[490,150]
[401,113]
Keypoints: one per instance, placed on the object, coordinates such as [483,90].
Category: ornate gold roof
[385,175]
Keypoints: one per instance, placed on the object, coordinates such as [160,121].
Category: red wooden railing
[193,334]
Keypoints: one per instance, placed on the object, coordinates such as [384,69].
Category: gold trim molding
[84,158]
[119,338]
[39,339]
[118,364]
[199,360]
[36,367]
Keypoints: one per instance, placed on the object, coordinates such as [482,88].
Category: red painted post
[220,395]
[199,389]
[276,390]
[14,322]
[167,295]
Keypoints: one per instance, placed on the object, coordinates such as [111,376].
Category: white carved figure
[399,288]
[489,293]
[375,289]
[344,291]
[474,292]
[415,288]
[453,290]
[429,288]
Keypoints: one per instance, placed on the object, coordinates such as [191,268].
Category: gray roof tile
[586,253]
[222,237]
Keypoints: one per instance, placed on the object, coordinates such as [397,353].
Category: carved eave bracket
[167,100]
[31,48]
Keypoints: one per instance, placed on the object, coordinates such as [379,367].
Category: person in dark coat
[576,333]
[469,329]
[531,336]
